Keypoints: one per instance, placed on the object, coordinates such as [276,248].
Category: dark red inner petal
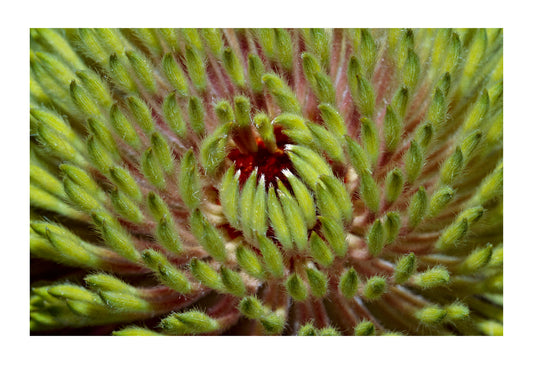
[269,164]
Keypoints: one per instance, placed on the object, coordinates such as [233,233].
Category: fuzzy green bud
[457,312]
[318,282]
[348,283]
[249,262]
[374,288]
[277,219]
[167,235]
[80,197]
[105,282]
[334,235]
[453,233]
[123,302]
[434,277]
[296,288]
[196,68]
[477,260]
[152,169]
[242,111]
[307,330]
[329,331]
[393,185]
[327,142]
[70,250]
[491,188]
[96,88]
[308,164]
[123,127]
[431,315]
[376,238]
[358,156]
[369,191]
[233,67]
[246,203]
[224,112]
[310,66]
[191,322]
[405,267]
[437,108]
[170,37]
[393,129]
[46,180]
[58,145]
[205,274]
[189,181]
[295,220]
[175,75]
[213,39]
[102,134]
[126,207]
[256,70]
[440,200]
[232,282]
[391,226]
[272,257]
[116,238]
[73,292]
[424,135]
[368,50]
[82,179]
[266,130]
[142,69]
[229,196]
[141,113]
[469,145]
[363,95]
[282,93]
[259,217]
[213,150]
[273,323]
[283,48]
[304,198]
[121,75]
[417,207]
[319,250]
[54,122]
[208,236]
[99,155]
[252,308]
[364,328]
[370,139]
[414,160]
[400,101]
[477,113]
[326,202]
[166,272]
[196,115]
[411,70]
[125,182]
[162,152]
[173,115]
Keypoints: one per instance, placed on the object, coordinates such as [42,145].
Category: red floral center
[269,164]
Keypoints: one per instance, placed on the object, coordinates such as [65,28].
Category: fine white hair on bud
[266,181]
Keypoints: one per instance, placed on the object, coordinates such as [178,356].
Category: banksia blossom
[311,182]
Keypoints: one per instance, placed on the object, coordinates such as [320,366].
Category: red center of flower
[268,163]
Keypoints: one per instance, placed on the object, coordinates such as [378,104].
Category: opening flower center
[269,162]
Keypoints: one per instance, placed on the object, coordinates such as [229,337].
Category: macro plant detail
[266,181]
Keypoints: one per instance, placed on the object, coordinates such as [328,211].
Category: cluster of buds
[269,181]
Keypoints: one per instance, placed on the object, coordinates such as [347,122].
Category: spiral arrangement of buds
[270,181]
